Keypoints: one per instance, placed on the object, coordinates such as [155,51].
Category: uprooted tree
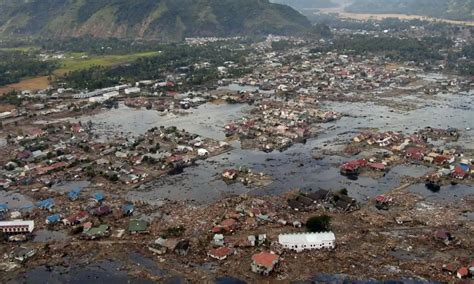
[319,223]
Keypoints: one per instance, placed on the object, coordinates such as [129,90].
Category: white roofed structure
[17,226]
[309,241]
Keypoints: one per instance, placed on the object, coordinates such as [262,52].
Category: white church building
[307,241]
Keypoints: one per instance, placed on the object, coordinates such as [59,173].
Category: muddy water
[3,142]
[106,271]
[294,168]
[46,236]
[15,201]
[207,120]
[66,187]
[245,88]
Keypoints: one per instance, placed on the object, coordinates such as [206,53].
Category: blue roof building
[47,204]
[74,194]
[127,209]
[98,196]
[3,208]
[53,219]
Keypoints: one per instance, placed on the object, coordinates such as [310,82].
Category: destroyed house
[321,195]
[97,232]
[295,205]
[47,204]
[220,253]
[101,210]
[76,218]
[3,208]
[414,154]
[74,194]
[182,247]
[306,201]
[345,203]
[138,226]
[53,219]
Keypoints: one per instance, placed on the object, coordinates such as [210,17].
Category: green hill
[306,4]
[153,19]
[447,9]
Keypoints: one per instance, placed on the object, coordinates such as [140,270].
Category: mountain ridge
[154,19]
[446,9]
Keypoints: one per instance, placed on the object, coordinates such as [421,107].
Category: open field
[78,63]
[37,83]
[74,62]
[364,17]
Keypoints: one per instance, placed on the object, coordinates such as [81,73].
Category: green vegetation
[462,61]
[15,65]
[79,61]
[448,9]
[171,57]
[173,232]
[11,98]
[306,4]
[163,20]
[407,49]
[319,223]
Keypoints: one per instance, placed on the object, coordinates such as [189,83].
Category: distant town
[346,156]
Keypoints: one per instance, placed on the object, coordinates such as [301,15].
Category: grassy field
[364,17]
[78,61]
[72,62]
[21,48]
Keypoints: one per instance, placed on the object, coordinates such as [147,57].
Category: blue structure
[465,167]
[53,219]
[74,194]
[98,196]
[47,204]
[3,208]
[127,209]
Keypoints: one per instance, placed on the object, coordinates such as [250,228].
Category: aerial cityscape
[236,141]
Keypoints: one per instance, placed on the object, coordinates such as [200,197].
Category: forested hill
[306,4]
[156,19]
[447,9]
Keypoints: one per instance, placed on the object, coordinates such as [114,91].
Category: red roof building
[264,262]
[220,253]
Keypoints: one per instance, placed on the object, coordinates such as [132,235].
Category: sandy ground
[38,83]
[363,17]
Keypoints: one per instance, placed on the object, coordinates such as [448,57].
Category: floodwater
[106,271]
[295,167]
[3,142]
[15,201]
[245,88]
[67,186]
[446,193]
[207,120]
[46,236]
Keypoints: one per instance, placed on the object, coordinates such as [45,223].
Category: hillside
[306,4]
[447,9]
[154,19]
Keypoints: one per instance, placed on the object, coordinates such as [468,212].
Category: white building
[17,226]
[307,241]
[133,90]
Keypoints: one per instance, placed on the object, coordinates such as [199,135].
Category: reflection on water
[294,168]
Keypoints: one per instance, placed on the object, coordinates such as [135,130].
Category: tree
[319,223]
[343,191]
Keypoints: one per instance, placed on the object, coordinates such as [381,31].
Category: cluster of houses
[278,125]
[44,156]
[415,148]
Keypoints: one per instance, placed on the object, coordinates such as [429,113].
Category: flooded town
[301,162]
